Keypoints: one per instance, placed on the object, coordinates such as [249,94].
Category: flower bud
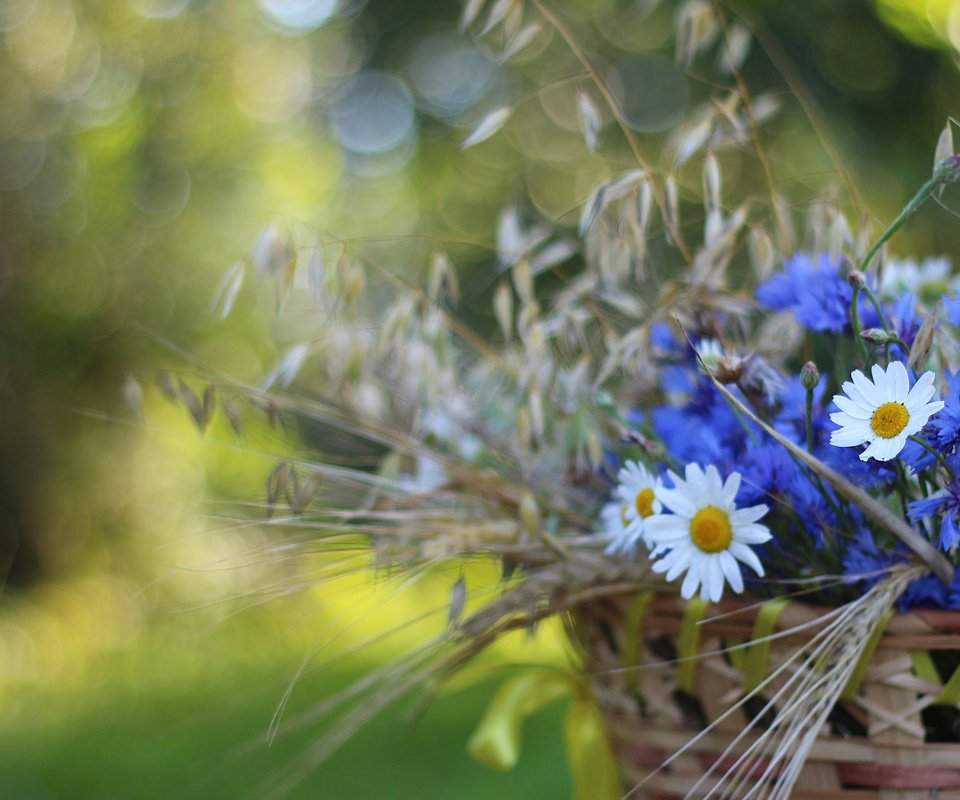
[857,279]
[809,376]
[729,369]
[878,336]
[948,170]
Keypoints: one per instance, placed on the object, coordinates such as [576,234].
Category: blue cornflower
[662,338]
[951,310]
[906,321]
[864,561]
[677,378]
[928,592]
[814,289]
[915,455]
[945,427]
[947,504]
[815,512]
[767,469]
[866,474]
[688,438]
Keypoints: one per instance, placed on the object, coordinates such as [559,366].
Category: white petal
[677,501]
[751,534]
[901,381]
[714,579]
[884,449]
[844,420]
[713,480]
[676,480]
[917,400]
[730,488]
[731,571]
[849,437]
[852,409]
[666,526]
[668,561]
[884,386]
[924,384]
[743,553]
[695,480]
[690,583]
[867,389]
[744,516]
[679,564]
[922,413]
[856,395]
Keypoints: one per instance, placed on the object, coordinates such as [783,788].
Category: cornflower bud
[809,376]
[878,336]
[857,279]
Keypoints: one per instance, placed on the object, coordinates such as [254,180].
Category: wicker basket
[882,739]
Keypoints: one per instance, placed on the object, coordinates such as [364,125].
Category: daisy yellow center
[889,419]
[644,503]
[710,530]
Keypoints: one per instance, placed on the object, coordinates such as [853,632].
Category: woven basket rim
[734,617]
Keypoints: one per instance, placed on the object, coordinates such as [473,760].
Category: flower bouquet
[726,461]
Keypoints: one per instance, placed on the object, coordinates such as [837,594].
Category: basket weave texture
[663,670]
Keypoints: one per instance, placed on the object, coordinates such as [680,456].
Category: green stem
[855,320]
[903,489]
[908,210]
[876,304]
[809,415]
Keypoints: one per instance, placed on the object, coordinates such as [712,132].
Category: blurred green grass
[141,727]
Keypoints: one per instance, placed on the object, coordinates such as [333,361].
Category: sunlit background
[144,147]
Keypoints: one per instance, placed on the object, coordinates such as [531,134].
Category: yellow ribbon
[592,766]
[856,677]
[950,696]
[633,627]
[924,668]
[688,644]
[757,656]
[497,739]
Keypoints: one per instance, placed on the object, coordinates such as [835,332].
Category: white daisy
[930,277]
[706,534]
[613,527]
[635,501]
[711,353]
[884,411]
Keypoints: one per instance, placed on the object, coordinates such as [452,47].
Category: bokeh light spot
[58,179]
[300,15]
[163,191]
[110,92]
[273,82]
[374,114]
[651,90]
[13,13]
[161,9]
[449,73]
[20,161]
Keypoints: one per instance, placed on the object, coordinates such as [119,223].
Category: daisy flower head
[613,528]
[706,535]
[635,502]
[711,353]
[883,412]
